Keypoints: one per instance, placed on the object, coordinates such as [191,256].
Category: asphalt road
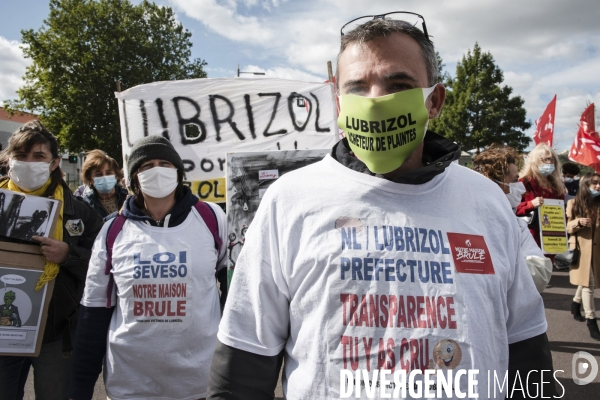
[566,336]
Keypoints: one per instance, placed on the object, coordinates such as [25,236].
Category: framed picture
[23,310]
[23,216]
[249,175]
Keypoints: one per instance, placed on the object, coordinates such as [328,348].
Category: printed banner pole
[330,72]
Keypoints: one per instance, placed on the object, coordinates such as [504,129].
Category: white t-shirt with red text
[348,271]
[163,331]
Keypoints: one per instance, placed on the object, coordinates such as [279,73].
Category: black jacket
[70,281]
[572,187]
[240,375]
[91,197]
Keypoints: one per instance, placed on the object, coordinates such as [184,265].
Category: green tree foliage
[480,111]
[442,75]
[79,53]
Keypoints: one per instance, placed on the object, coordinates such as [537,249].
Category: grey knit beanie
[152,148]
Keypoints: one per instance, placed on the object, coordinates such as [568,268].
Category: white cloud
[223,20]
[582,74]
[312,42]
[575,86]
[544,47]
[282,73]
[219,72]
[518,80]
[533,29]
[12,68]
[300,38]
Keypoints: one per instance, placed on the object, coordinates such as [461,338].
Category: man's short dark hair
[379,28]
[570,168]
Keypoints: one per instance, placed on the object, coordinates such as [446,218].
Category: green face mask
[383,131]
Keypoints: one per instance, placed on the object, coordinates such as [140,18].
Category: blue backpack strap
[114,229]
[210,219]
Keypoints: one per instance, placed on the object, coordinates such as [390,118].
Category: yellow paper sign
[212,190]
[553,227]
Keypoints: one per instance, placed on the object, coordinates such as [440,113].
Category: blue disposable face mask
[546,169]
[594,193]
[104,184]
[569,180]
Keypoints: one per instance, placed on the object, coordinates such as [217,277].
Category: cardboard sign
[553,227]
[23,311]
[212,190]
[470,254]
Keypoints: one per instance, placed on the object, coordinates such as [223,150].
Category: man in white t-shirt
[385,260]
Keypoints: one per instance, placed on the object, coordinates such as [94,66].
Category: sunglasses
[402,17]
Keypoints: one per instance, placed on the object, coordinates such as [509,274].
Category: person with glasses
[542,180]
[385,255]
[583,221]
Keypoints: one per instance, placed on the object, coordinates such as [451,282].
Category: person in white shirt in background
[498,163]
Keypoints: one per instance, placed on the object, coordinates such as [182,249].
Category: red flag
[544,126]
[588,120]
[585,149]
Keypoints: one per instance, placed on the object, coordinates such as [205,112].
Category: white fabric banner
[207,118]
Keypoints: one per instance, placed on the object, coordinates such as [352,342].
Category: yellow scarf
[50,269]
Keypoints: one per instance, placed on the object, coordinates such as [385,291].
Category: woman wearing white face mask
[498,163]
[542,180]
[34,169]
[151,286]
[101,174]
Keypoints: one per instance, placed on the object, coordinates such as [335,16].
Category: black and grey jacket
[70,281]
[91,197]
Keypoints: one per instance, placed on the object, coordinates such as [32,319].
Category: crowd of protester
[538,180]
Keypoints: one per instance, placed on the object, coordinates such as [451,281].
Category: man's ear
[337,103]
[54,164]
[437,98]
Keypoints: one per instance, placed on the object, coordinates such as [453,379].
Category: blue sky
[544,47]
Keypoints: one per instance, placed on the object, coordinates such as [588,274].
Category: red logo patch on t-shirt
[470,253]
